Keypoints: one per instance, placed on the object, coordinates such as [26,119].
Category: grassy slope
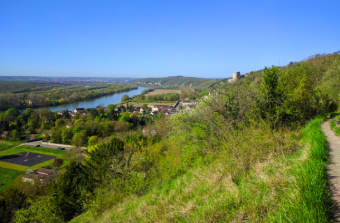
[8,144]
[58,153]
[283,189]
[7,177]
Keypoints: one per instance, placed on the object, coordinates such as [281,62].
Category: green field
[8,144]
[53,152]
[7,177]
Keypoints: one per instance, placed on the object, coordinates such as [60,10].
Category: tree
[93,140]
[44,114]
[121,126]
[59,123]
[125,98]
[77,129]
[79,139]
[145,107]
[71,191]
[111,107]
[91,126]
[11,114]
[66,135]
[103,158]
[15,134]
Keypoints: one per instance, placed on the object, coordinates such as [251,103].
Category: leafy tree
[77,129]
[125,98]
[79,139]
[93,140]
[66,135]
[125,117]
[94,113]
[15,134]
[59,123]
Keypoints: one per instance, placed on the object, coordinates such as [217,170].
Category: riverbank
[114,98]
[71,97]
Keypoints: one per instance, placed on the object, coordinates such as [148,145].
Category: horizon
[150,39]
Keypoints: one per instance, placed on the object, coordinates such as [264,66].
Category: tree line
[58,96]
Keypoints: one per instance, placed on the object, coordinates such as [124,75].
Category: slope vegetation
[249,152]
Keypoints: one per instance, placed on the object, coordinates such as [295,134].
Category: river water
[94,102]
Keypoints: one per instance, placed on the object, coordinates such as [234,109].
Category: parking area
[35,143]
[26,158]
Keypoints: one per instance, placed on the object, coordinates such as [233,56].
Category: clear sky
[158,38]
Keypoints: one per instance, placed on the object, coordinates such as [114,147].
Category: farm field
[163,91]
[8,144]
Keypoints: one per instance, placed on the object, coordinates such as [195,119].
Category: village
[153,109]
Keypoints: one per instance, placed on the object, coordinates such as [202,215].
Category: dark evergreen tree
[71,190]
[103,158]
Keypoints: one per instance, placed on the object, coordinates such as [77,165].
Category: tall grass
[283,188]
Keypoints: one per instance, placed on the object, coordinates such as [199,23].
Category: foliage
[163,97]
[103,159]
[71,190]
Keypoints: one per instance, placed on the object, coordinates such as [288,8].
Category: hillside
[180,81]
[254,152]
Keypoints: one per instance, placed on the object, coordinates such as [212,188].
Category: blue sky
[158,38]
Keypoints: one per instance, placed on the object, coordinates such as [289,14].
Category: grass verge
[290,188]
[8,144]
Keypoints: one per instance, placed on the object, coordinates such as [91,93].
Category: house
[153,113]
[33,138]
[99,106]
[43,175]
[62,112]
[188,102]
[171,112]
[32,102]
[46,172]
[137,109]
[155,108]
[79,110]
[4,134]
[119,108]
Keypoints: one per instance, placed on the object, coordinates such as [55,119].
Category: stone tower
[236,75]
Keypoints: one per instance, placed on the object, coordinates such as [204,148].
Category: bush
[58,162]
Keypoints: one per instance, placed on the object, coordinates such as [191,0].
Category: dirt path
[334,166]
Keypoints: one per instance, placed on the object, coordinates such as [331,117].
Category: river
[94,102]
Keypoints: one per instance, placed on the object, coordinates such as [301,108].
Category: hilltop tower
[236,75]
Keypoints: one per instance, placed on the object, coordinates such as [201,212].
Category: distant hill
[179,81]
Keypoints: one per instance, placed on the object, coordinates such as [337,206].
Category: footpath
[334,166]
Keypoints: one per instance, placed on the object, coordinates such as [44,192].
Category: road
[33,144]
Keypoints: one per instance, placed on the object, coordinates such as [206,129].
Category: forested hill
[180,81]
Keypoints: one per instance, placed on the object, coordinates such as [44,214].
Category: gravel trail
[334,166]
